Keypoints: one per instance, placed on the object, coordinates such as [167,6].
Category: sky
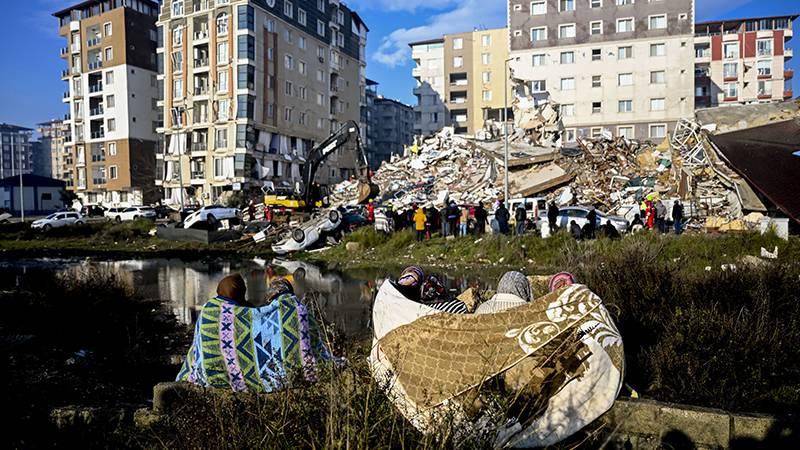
[30,79]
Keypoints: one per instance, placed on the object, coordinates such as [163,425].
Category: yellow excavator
[316,196]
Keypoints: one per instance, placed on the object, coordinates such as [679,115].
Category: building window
[538,60]
[624,25]
[625,79]
[597,54]
[657,104]
[567,58]
[222,24]
[301,16]
[221,138]
[538,34]
[730,70]
[321,5]
[658,77]
[764,68]
[595,3]
[301,67]
[177,88]
[109,101]
[486,40]
[288,62]
[288,88]
[289,36]
[566,31]
[731,50]
[538,7]
[625,52]
[222,53]
[223,110]
[596,81]
[321,28]
[458,61]
[111,125]
[288,10]
[486,58]
[567,109]
[487,77]
[108,53]
[731,90]
[109,78]
[301,42]
[113,172]
[597,107]
[287,114]
[658,49]
[764,88]
[568,84]
[596,27]
[177,7]
[658,22]
[222,80]
[458,43]
[487,96]
[624,2]
[625,106]
[177,61]
[625,132]
[108,29]
[566,5]
[765,47]
[247,18]
[658,131]
[538,86]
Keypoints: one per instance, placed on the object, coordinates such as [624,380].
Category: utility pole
[21,191]
[505,124]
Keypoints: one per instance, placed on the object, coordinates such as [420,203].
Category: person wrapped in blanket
[428,290]
[244,348]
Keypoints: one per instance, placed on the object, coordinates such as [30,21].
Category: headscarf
[560,280]
[412,276]
[277,287]
[515,283]
[232,287]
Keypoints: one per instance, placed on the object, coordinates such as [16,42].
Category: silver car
[579,213]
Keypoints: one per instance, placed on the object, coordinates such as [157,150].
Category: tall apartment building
[394,129]
[112,94]
[622,66]
[52,137]
[462,76]
[743,61]
[249,87]
[15,150]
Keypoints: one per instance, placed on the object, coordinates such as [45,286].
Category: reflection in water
[185,286]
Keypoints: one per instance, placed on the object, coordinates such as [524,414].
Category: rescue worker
[419,224]
[371,212]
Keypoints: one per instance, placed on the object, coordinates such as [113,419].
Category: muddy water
[184,286]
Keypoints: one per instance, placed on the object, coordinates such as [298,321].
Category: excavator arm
[346,133]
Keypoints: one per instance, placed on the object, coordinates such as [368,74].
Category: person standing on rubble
[419,224]
[430,221]
[591,223]
[520,215]
[661,217]
[463,221]
[443,223]
[453,212]
[371,212]
[502,216]
[480,219]
[677,216]
[552,216]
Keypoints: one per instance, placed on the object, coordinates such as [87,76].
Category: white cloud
[468,15]
[710,9]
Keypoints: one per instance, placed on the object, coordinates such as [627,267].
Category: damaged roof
[767,158]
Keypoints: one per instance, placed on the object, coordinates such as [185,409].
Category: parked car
[164,211]
[5,215]
[210,216]
[136,213]
[93,211]
[58,220]
[112,213]
[307,234]
[534,206]
[579,213]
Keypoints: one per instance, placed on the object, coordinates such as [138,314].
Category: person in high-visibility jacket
[419,223]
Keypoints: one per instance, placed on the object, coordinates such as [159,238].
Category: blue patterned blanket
[262,349]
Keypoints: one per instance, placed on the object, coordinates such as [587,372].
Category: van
[533,206]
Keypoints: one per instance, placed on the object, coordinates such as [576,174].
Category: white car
[112,213]
[211,215]
[57,220]
[135,213]
[308,233]
[579,214]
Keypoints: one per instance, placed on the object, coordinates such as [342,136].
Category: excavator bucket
[367,191]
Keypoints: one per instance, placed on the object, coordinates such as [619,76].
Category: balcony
[788,74]
[201,90]
[200,63]
[199,146]
[94,88]
[788,94]
[200,118]
[64,51]
[96,111]
[98,134]
[95,41]
[200,35]
[94,65]
[764,75]
[730,99]
[416,72]
[75,47]
[201,5]
[65,74]
[67,138]
[788,53]
[66,95]
[764,95]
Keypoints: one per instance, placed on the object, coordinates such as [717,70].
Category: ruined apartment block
[743,61]
[460,81]
[249,87]
[109,151]
[617,65]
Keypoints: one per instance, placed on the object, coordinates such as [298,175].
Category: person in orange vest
[419,224]
[651,215]
[371,212]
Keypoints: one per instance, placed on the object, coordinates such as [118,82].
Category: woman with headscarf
[513,290]
[245,349]
[428,290]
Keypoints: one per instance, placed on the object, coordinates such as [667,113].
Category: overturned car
[308,233]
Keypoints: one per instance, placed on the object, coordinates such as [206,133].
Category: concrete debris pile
[444,167]
[534,124]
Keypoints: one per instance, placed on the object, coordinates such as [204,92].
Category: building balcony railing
[78,116]
[96,111]
[95,88]
[764,95]
[730,78]
[201,118]
[201,5]
[98,158]
[76,47]
[199,146]
[788,74]
[93,42]
[731,99]
[66,95]
[95,65]
[98,134]
[788,94]
[200,35]
[199,176]
[64,51]
[202,62]
[201,90]
[65,74]
[98,181]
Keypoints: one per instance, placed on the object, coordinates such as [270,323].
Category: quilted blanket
[262,349]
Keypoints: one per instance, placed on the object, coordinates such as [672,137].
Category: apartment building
[15,150]
[460,80]
[394,129]
[52,136]
[250,86]
[111,94]
[743,61]
[623,66]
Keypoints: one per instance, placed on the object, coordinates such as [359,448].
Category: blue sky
[31,88]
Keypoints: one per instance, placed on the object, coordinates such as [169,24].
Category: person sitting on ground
[608,230]
[575,230]
[637,220]
[242,348]
[513,290]
[415,286]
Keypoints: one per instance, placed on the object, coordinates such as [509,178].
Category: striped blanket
[262,349]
